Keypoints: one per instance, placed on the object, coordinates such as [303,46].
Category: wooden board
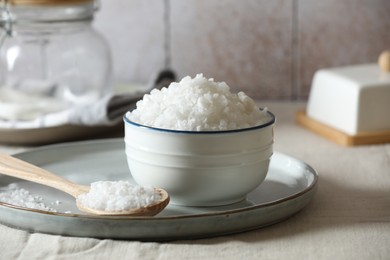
[363,138]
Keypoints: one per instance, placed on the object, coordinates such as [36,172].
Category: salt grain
[197,104]
[118,196]
[14,195]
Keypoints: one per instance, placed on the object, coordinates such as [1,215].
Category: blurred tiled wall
[269,49]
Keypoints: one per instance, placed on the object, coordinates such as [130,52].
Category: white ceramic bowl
[200,168]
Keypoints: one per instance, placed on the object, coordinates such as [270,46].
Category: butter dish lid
[365,75]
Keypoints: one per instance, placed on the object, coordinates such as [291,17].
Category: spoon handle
[15,167]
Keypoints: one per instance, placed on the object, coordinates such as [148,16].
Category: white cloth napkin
[25,111]
[18,114]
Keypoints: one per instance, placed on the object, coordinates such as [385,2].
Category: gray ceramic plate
[289,187]
[47,135]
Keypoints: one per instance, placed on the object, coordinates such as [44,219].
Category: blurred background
[269,49]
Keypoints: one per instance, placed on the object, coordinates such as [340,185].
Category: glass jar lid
[46,2]
[15,11]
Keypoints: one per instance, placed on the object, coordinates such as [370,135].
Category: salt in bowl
[208,168]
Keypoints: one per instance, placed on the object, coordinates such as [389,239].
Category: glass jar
[51,58]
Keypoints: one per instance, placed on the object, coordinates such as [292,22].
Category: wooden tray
[363,138]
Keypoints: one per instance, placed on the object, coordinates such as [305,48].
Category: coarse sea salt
[14,195]
[118,196]
[197,104]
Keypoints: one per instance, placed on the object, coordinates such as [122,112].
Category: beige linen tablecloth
[349,217]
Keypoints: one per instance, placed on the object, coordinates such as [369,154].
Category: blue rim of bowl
[270,122]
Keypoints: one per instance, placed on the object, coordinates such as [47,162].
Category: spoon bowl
[17,168]
[150,210]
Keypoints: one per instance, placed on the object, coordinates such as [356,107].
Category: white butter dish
[353,99]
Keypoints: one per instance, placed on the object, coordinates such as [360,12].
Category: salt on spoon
[149,202]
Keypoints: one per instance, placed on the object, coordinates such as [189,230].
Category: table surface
[349,217]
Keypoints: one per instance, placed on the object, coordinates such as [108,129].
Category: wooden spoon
[15,167]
